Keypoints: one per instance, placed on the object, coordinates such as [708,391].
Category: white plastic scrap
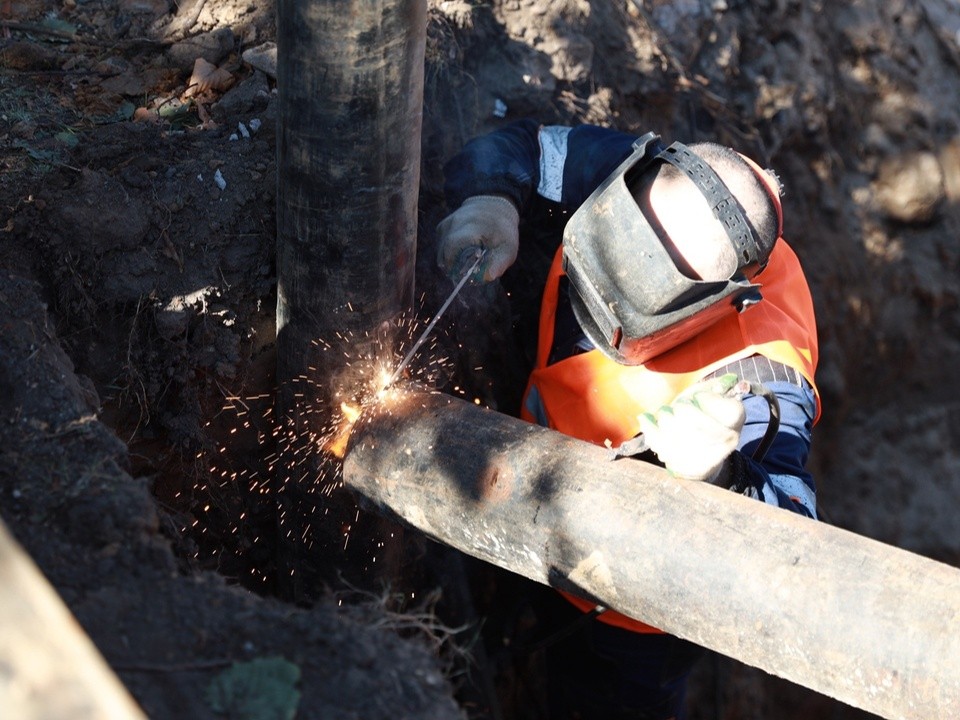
[254,124]
[499,108]
[243,130]
[219,180]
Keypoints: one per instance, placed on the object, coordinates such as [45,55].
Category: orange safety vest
[593,398]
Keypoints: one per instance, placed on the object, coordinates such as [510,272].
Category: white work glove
[695,433]
[483,221]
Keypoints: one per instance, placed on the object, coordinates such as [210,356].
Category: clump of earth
[138,294]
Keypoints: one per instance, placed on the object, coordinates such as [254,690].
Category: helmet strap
[724,205]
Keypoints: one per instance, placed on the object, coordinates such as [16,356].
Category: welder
[670,282]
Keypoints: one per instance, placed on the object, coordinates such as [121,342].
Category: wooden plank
[49,668]
[867,623]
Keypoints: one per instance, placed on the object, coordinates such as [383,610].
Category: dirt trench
[138,295]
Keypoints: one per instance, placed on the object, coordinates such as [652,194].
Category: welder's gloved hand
[483,221]
[695,433]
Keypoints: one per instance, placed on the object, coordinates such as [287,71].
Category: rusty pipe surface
[867,623]
[350,77]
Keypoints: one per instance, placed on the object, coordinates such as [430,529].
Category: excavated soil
[137,298]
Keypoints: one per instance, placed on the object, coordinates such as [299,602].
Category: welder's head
[668,244]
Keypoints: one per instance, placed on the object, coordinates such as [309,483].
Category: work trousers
[602,672]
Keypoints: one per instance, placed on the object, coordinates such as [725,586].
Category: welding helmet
[627,292]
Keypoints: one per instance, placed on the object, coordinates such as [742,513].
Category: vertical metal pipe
[350,79]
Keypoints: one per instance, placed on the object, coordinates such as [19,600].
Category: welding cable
[773,424]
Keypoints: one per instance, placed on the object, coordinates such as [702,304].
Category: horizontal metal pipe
[869,624]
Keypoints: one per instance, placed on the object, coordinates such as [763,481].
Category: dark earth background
[137,301]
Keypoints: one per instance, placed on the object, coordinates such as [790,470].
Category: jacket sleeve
[559,163]
[779,478]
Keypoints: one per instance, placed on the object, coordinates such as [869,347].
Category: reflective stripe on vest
[593,398]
